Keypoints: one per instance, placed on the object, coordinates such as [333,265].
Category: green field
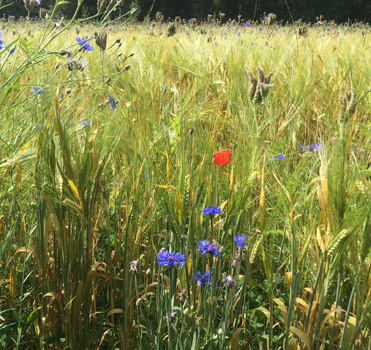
[106,158]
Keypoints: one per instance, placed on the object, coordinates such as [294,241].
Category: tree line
[286,10]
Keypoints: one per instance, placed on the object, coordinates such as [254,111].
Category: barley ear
[366,239]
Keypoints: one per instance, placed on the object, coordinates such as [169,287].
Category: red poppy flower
[223,157]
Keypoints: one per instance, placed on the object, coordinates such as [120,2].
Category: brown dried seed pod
[261,74]
[258,96]
[252,77]
[101,40]
[252,91]
[267,78]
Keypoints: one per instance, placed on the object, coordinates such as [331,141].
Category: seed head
[75,64]
[229,282]
[170,30]
[101,40]
[182,296]
[134,266]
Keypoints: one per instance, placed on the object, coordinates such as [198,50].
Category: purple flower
[280,156]
[248,24]
[36,89]
[208,248]
[260,28]
[202,278]
[85,123]
[303,147]
[211,211]
[240,240]
[170,258]
[84,43]
[316,146]
[112,102]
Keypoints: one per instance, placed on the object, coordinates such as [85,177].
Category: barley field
[185,185]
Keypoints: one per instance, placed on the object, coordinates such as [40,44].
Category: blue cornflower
[3,44]
[203,278]
[240,240]
[170,258]
[248,24]
[112,102]
[36,89]
[86,124]
[84,43]
[211,211]
[208,248]
[303,147]
[316,146]
[260,28]
[280,156]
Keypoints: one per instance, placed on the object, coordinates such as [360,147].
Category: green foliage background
[286,10]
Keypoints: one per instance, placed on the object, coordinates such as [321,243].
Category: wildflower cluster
[259,86]
[313,146]
[37,90]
